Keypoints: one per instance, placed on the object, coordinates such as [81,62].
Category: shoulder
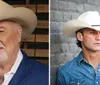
[64,72]
[34,65]
[68,66]
[37,72]
[38,66]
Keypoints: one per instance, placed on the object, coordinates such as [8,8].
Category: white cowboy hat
[24,16]
[90,19]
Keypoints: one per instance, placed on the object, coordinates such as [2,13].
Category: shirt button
[96,82]
[78,83]
[98,69]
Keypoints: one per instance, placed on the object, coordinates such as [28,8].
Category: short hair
[79,42]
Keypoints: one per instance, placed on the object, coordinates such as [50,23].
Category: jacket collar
[22,71]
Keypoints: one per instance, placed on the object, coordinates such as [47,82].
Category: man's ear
[79,36]
[19,33]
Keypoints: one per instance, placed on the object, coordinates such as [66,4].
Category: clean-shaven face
[91,39]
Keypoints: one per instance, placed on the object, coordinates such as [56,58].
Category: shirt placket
[89,70]
[90,73]
[97,77]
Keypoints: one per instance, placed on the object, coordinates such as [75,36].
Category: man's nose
[97,36]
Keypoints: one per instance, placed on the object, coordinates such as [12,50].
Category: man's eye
[92,32]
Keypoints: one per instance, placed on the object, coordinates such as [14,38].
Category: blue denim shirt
[78,72]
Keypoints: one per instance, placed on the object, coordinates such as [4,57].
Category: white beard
[3,55]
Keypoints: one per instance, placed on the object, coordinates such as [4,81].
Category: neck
[93,58]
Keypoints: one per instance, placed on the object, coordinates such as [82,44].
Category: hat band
[95,25]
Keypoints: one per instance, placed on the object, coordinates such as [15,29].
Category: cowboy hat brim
[21,15]
[72,26]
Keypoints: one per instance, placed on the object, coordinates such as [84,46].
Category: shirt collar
[16,64]
[80,58]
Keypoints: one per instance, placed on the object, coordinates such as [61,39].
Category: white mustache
[3,55]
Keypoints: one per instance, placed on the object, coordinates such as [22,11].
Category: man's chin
[3,56]
[96,49]
[3,59]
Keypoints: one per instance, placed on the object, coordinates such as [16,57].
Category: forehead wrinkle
[10,24]
[93,30]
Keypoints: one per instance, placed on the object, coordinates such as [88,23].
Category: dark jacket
[30,72]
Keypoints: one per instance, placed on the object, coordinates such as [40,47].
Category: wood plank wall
[36,45]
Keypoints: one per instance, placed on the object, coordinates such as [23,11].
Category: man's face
[10,37]
[90,39]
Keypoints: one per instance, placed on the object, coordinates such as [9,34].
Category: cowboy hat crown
[89,19]
[21,15]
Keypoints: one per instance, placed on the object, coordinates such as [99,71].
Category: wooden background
[36,45]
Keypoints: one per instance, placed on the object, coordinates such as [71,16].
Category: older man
[15,66]
[85,68]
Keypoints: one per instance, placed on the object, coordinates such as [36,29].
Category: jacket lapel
[22,71]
